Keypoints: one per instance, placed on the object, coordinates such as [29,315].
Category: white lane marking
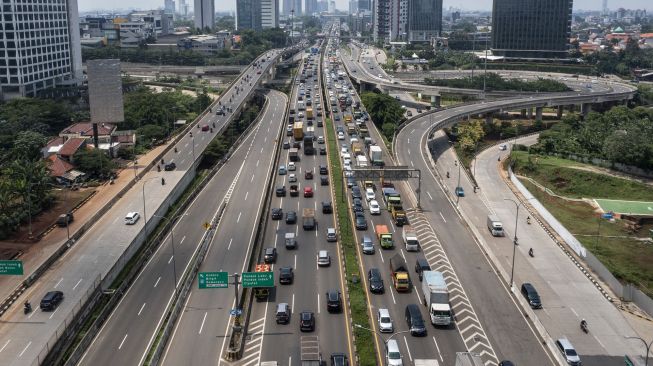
[238,219]
[123,341]
[295,261]
[51,315]
[381,254]
[408,349]
[289,360]
[246,195]
[393,296]
[170,260]
[6,343]
[445,221]
[230,241]
[25,349]
[142,307]
[318,303]
[202,325]
[59,282]
[182,240]
[431,197]
[438,348]
[292,305]
[77,284]
[257,163]
[157,281]
[408,151]
[251,180]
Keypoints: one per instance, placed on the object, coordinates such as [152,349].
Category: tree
[94,162]
[469,134]
[149,133]
[27,145]
[384,110]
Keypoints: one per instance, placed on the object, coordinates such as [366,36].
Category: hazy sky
[86,5]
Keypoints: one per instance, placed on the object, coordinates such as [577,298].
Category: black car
[421,265]
[51,300]
[531,295]
[376,281]
[323,151]
[351,182]
[334,302]
[277,213]
[291,217]
[327,208]
[361,223]
[324,181]
[286,145]
[297,144]
[339,359]
[306,321]
[286,275]
[270,255]
[357,205]
[64,219]
[324,170]
[170,166]
[356,192]
[281,191]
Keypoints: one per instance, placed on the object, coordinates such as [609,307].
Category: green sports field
[626,207]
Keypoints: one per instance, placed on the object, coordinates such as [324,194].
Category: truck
[298,131]
[308,219]
[309,351]
[348,118]
[495,226]
[399,215]
[357,148]
[361,161]
[300,105]
[376,155]
[309,137]
[351,128]
[436,298]
[293,154]
[390,197]
[262,292]
[294,190]
[385,237]
[399,273]
[468,359]
[309,112]
[410,239]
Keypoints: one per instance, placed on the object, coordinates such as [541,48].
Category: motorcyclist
[528,220]
[447,174]
[530,252]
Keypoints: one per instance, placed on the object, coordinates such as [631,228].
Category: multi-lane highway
[26,338]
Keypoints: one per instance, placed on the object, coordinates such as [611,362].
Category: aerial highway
[25,339]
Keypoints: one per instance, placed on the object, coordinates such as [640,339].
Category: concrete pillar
[523,113]
[436,100]
[538,114]
[586,108]
[488,118]
[560,109]
[530,113]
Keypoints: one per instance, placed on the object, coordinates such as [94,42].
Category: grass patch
[566,178]
[364,338]
[627,258]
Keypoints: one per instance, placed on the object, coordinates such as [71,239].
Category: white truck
[410,239]
[376,155]
[361,161]
[468,359]
[494,225]
[436,298]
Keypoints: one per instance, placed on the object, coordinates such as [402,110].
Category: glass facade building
[531,28]
[424,20]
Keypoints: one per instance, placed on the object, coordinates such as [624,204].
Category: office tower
[311,7]
[322,6]
[297,6]
[381,31]
[398,20]
[364,5]
[424,20]
[269,14]
[47,55]
[531,28]
[169,6]
[204,14]
[257,14]
[332,7]
[287,6]
[353,7]
[605,7]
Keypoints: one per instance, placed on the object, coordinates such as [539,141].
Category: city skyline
[230,5]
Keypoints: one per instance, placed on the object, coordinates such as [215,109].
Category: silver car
[385,322]
[368,245]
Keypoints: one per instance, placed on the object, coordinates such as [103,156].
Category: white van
[392,354]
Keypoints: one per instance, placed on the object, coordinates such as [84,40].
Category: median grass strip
[358,302]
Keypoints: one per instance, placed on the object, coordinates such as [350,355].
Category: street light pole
[144,212]
[172,244]
[647,346]
[515,242]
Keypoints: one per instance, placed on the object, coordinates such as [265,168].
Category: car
[531,295]
[415,321]
[460,192]
[291,166]
[357,205]
[503,147]
[320,139]
[334,301]
[306,321]
[283,313]
[368,245]
[421,265]
[286,275]
[258,72]
[289,240]
[393,356]
[375,208]
[341,136]
[323,150]
[205,128]
[323,258]
[331,234]
[286,145]
[65,219]
[375,281]
[297,144]
[339,359]
[506,363]
[356,192]
[169,167]
[324,181]
[292,178]
[409,113]
[337,117]
[351,182]
[308,174]
[291,217]
[568,352]
[327,208]
[308,191]
[288,131]
[419,110]
[277,213]
[344,150]
[270,255]
[361,223]
[281,191]
[369,194]
[132,218]
[282,170]
[384,320]
[51,300]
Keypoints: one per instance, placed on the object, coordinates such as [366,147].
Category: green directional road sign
[213,279]
[11,268]
[258,279]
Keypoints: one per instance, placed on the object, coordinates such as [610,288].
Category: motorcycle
[531,253]
[27,308]
[528,220]
[447,174]
[583,326]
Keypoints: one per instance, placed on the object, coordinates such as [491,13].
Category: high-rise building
[269,14]
[424,20]
[531,28]
[257,14]
[297,6]
[382,20]
[364,5]
[287,6]
[398,20]
[332,7]
[322,6]
[169,6]
[311,7]
[605,10]
[204,14]
[47,55]
[353,6]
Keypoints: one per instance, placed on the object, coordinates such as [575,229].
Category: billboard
[105,91]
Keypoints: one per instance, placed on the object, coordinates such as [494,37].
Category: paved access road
[24,339]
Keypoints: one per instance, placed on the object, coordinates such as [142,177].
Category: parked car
[65,219]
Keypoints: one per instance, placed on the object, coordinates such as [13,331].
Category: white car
[343,151]
[369,195]
[346,161]
[132,218]
[385,321]
[292,178]
[341,136]
[375,208]
[503,147]
[291,166]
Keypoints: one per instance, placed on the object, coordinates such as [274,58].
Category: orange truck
[385,236]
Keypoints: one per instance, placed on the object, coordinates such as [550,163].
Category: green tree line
[385,111]
[494,81]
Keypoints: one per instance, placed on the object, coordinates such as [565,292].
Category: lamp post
[144,212]
[646,345]
[515,240]
[172,244]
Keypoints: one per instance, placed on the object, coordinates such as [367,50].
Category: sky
[220,5]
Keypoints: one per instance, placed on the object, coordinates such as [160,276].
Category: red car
[308,192]
[205,128]
[258,72]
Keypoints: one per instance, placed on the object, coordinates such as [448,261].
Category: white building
[162,22]
[269,14]
[47,55]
